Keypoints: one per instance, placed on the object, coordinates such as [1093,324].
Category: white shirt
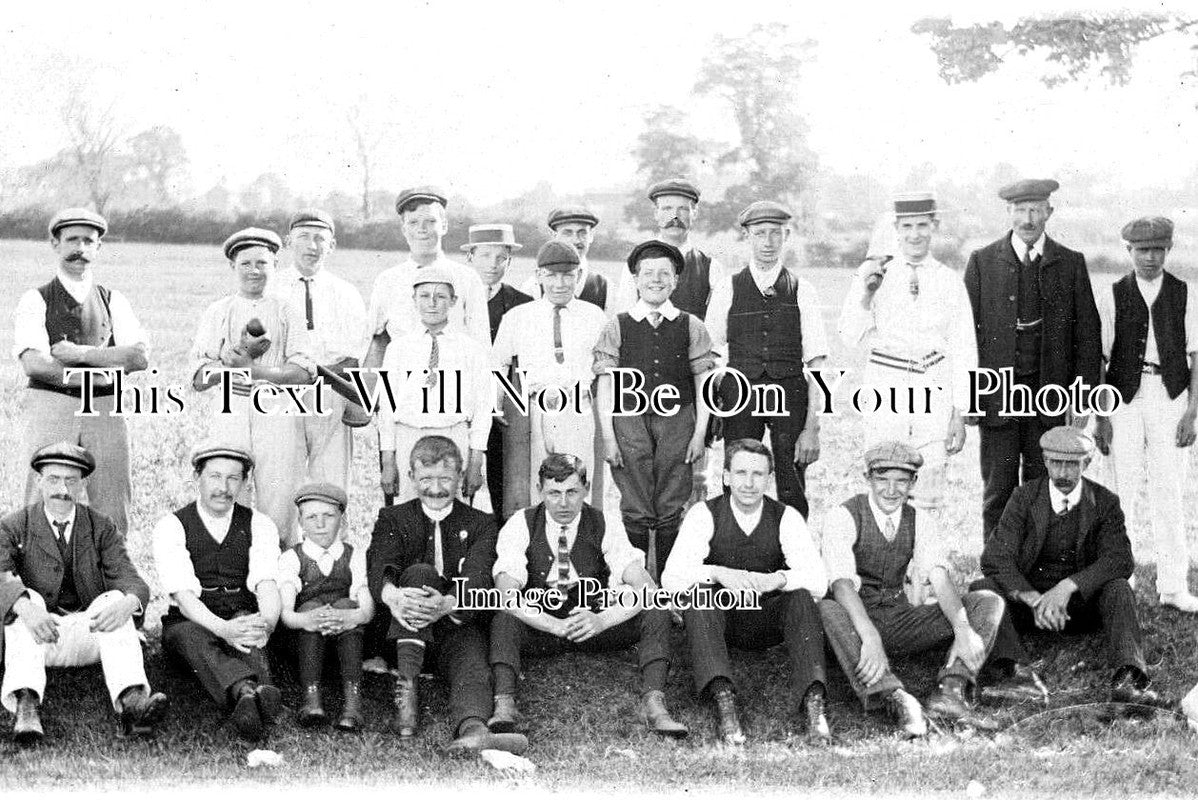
[532,288]
[459,358]
[176,573]
[512,547]
[901,324]
[437,517]
[289,565]
[393,310]
[1020,248]
[685,567]
[626,295]
[339,327]
[815,340]
[526,333]
[223,322]
[70,521]
[1149,290]
[1058,498]
[29,318]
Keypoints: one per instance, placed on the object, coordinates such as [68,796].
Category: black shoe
[141,712]
[1133,687]
[270,702]
[725,706]
[312,714]
[948,703]
[403,722]
[1020,685]
[245,716]
[505,714]
[818,731]
[907,712]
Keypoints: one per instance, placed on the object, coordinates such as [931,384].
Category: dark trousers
[495,472]
[1112,608]
[906,628]
[1010,456]
[649,630]
[789,617]
[310,647]
[655,480]
[216,664]
[457,652]
[784,434]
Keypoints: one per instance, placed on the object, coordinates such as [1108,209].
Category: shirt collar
[213,522]
[437,516]
[1058,498]
[78,289]
[765,278]
[1020,248]
[70,520]
[315,551]
[553,528]
[746,521]
[881,516]
[641,309]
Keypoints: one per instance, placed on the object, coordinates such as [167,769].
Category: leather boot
[141,712]
[270,702]
[404,720]
[245,715]
[312,713]
[351,712]
[473,737]
[948,703]
[907,712]
[503,718]
[27,729]
[817,721]
[655,714]
[725,706]
[1133,688]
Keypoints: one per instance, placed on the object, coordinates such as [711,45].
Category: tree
[1076,45]
[158,158]
[94,136]
[758,77]
[664,149]
[365,145]
[268,192]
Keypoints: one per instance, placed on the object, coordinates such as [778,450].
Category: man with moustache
[1150,345]
[914,314]
[1033,312]
[264,334]
[766,322]
[72,598]
[217,561]
[335,318]
[73,322]
[423,555]
[574,225]
[489,250]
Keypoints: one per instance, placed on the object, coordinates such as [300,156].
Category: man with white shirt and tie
[441,383]
[335,318]
[1149,343]
[553,339]
[73,322]
[913,315]
[766,322]
[742,541]
[1033,312]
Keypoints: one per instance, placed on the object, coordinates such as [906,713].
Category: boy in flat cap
[324,596]
[442,385]
[335,318]
[1034,312]
[742,541]
[913,315]
[417,551]
[72,599]
[766,322]
[882,556]
[1149,339]
[574,226]
[73,322]
[218,561]
[565,546]
[489,250]
[651,453]
[552,339]
[1061,558]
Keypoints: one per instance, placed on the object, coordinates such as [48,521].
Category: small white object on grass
[1189,707]
[263,758]
[508,762]
[974,789]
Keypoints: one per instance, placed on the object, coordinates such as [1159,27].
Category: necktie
[1027,257]
[563,559]
[433,553]
[61,527]
[1064,507]
[890,529]
[654,318]
[559,354]
[308,300]
[434,358]
[914,284]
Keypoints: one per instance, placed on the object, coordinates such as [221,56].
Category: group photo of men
[477,495]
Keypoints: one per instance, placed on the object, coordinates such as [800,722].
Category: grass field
[592,743]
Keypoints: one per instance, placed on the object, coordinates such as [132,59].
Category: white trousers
[328,443]
[569,432]
[118,652]
[406,437]
[1145,430]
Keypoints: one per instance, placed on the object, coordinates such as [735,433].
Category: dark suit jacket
[504,301]
[401,533]
[1072,342]
[1104,551]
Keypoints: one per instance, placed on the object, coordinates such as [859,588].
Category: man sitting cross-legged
[879,549]
[564,547]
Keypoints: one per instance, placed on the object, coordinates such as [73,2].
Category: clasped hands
[415,609]
[1049,608]
[246,632]
[330,621]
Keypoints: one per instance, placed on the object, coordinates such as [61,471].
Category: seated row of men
[1059,561]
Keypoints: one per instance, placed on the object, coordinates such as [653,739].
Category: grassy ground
[593,743]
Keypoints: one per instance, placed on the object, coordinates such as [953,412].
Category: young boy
[322,585]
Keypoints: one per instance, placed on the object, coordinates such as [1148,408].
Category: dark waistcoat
[881,565]
[586,554]
[88,323]
[222,567]
[765,336]
[694,284]
[318,586]
[760,550]
[661,353]
[1131,336]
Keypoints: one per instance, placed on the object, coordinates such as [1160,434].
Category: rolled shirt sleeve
[618,552]
[171,557]
[931,551]
[804,567]
[358,580]
[511,548]
[289,571]
[685,568]
[815,338]
[839,537]
[1106,314]
[126,329]
[264,551]
[717,318]
[607,348]
[29,325]
[700,354]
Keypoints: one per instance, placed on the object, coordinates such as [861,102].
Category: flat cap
[560,216]
[557,256]
[420,194]
[67,454]
[491,233]
[1028,189]
[252,237]
[914,204]
[764,211]
[1066,442]
[1149,232]
[210,450]
[77,216]
[434,274]
[323,491]
[313,217]
[677,186]
[655,248]
[893,455]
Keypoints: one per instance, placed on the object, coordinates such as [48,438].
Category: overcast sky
[489,98]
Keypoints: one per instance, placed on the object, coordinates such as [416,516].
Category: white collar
[746,520]
[437,516]
[70,520]
[881,516]
[641,309]
[213,522]
[553,527]
[1057,498]
[78,289]
[1152,284]
[1020,247]
[316,552]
